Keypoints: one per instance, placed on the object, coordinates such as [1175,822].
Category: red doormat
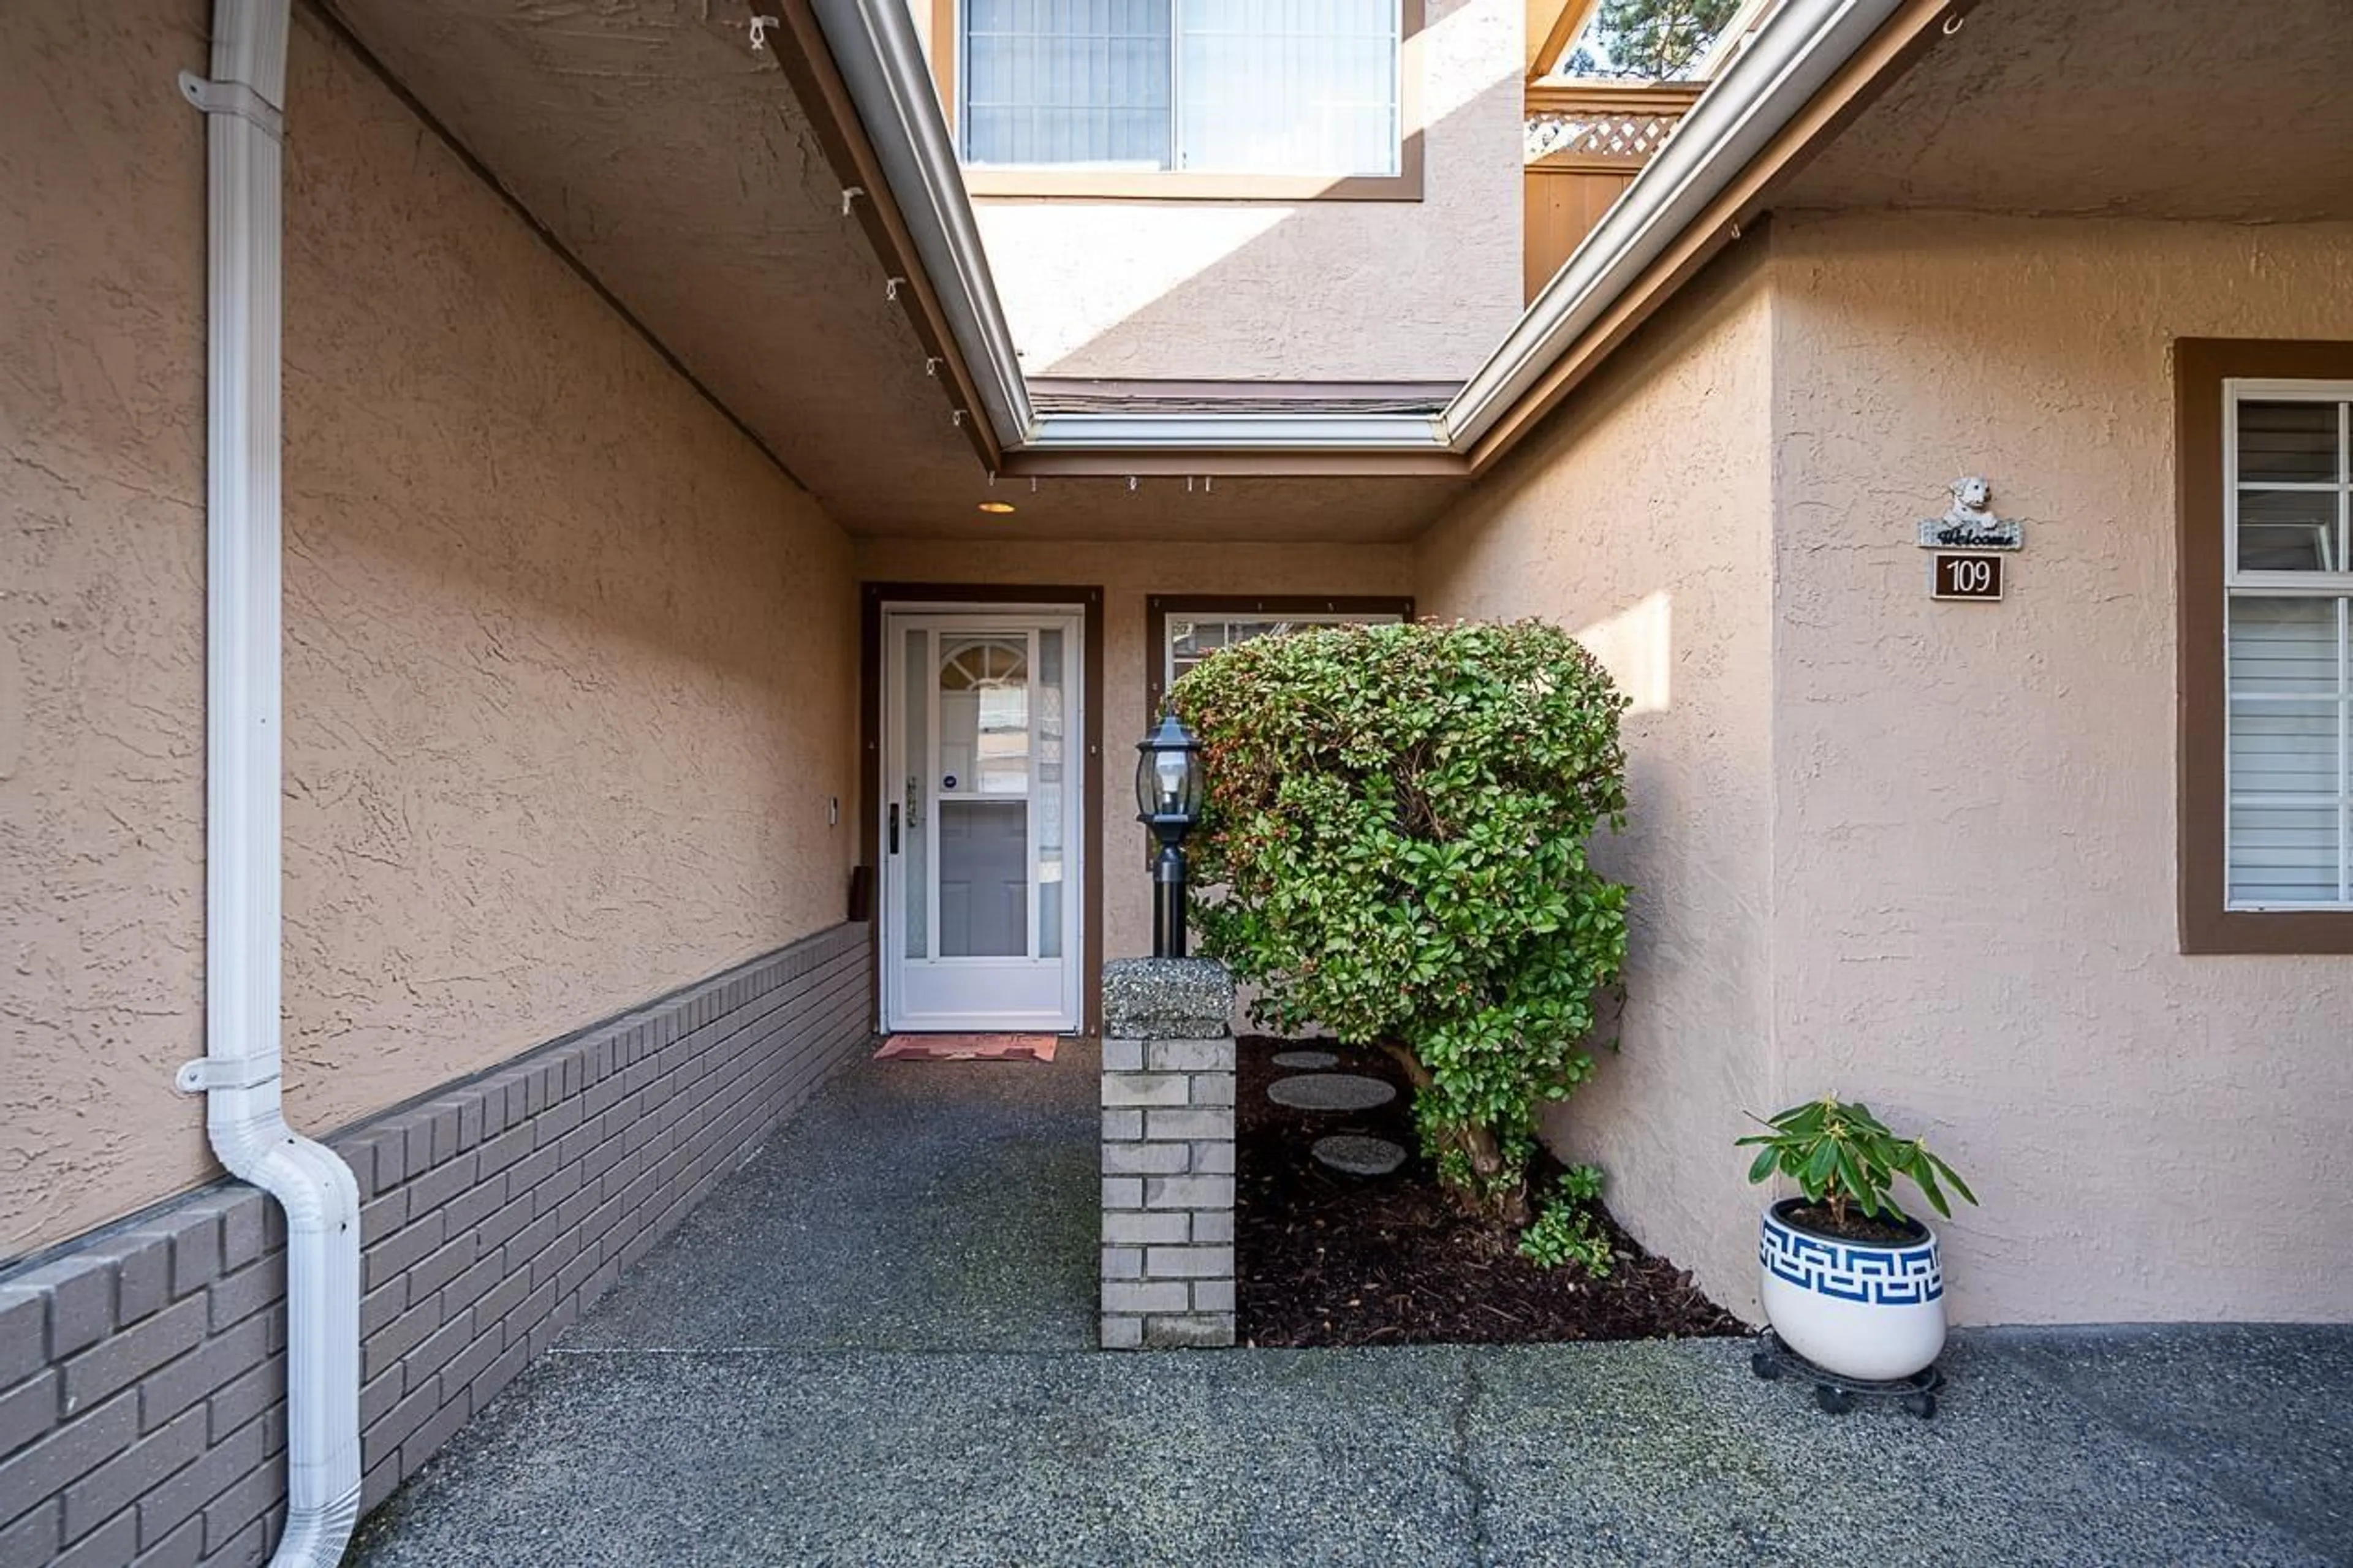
[966,1048]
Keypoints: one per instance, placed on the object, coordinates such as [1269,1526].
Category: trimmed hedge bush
[1394,846]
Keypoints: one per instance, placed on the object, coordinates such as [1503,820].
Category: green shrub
[1394,837]
[1568,1231]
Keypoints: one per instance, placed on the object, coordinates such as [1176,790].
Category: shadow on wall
[466,417]
[571,666]
[1637,646]
[1359,290]
[1636,515]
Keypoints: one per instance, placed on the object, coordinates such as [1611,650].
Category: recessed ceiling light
[997,508]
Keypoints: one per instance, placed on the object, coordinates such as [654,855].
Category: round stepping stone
[1309,1061]
[1360,1156]
[1331,1092]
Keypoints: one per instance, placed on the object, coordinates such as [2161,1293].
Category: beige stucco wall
[1919,854]
[1309,291]
[1973,845]
[1128,573]
[1638,519]
[570,667]
[102,610]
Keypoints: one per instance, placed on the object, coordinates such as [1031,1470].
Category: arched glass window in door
[983,761]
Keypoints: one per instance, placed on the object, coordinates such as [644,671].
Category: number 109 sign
[1976,577]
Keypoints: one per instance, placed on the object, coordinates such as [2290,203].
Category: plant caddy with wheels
[1851,1285]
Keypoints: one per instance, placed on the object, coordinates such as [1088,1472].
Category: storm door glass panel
[1287,87]
[984,796]
[912,840]
[1050,82]
[1051,780]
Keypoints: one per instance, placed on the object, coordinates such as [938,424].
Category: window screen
[1257,87]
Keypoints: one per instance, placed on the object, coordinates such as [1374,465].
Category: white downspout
[239,1072]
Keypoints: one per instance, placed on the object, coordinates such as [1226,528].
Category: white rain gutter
[1787,61]
[241,1073]
[1234,432]
[880,55]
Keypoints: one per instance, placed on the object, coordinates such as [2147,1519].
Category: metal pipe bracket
[234,98]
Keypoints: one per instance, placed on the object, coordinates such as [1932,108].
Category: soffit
[674,161]
[2198,110]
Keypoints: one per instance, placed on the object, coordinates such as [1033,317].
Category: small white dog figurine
[1968,523]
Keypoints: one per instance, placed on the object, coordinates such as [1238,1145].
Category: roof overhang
[1803,74]
[1552,26]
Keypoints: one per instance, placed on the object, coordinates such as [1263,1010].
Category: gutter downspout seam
[241,1073]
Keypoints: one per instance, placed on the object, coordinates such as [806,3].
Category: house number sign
[1971,572]
[1965,577]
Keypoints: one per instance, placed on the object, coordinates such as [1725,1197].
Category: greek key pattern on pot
[1882,1276]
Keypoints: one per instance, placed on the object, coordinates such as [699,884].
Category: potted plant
[1850,1281]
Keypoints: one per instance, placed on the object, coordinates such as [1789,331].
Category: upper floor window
[2267,646]
[1277,87]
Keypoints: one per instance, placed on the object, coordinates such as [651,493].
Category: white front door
[982,800]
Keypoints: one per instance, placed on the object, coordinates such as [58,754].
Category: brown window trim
[1182,185]
[1158,607]
[1088,600]
[2201,366]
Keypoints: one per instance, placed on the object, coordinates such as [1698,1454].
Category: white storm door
[981,809]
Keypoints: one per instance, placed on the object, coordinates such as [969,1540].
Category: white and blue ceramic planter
[1869,1310]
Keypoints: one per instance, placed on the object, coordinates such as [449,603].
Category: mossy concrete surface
[870,1347]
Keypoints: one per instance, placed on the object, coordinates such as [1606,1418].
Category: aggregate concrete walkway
[871,1347]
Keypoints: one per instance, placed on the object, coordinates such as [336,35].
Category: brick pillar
[1168,1154]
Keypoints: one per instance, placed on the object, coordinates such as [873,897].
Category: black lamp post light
[1169,800]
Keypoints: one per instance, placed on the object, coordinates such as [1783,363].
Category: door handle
[894,827]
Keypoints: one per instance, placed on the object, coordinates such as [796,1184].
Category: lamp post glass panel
[1169,800]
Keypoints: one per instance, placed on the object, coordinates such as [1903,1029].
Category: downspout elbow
[322,1202]
[245,1123]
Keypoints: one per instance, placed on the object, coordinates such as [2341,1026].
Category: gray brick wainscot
[1168,1154]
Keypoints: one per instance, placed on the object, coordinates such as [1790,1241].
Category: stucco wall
[570,667]
[1638,518]
[1128,575]
[102,610]
[1973,843]
[1309,291]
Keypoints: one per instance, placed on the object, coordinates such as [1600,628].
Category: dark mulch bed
[1333,1259]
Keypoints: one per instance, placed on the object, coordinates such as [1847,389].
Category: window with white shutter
[2263,518]
[2288,455]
